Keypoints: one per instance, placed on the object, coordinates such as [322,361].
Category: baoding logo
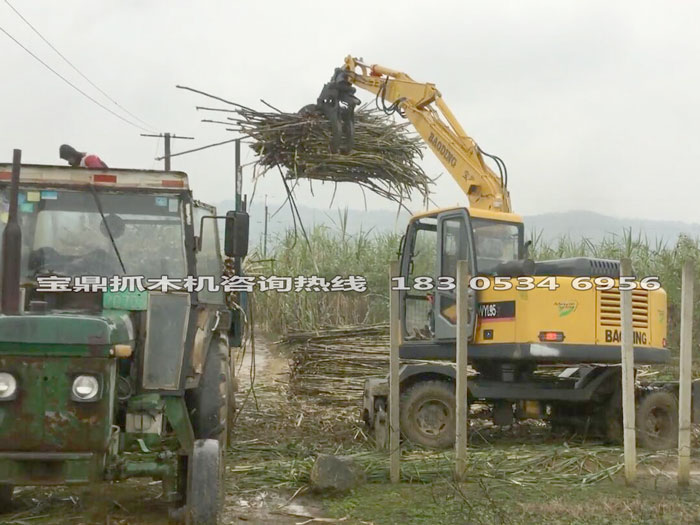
[566,307]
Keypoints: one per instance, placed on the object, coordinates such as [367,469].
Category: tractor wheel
[5,497]
[204,483]
[232,391]
[428,414]
[657,421]
[208,403]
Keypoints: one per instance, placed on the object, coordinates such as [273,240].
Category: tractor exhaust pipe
[12,245]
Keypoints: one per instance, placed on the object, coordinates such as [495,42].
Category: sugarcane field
[297,263]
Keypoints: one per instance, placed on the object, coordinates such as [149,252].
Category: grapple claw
[337,102]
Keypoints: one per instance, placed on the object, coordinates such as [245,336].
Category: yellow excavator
[527,317]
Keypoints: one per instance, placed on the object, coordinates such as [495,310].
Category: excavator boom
[422,104]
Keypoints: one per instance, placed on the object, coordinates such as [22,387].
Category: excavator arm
[422,104]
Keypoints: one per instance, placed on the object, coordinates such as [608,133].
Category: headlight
[85,388]
[8,386]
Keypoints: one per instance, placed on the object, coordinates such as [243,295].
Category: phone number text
[526,283]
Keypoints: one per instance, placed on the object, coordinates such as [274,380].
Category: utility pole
[168,137]
[265,231]
[238,176]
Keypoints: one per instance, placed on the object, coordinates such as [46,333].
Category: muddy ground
[276,437]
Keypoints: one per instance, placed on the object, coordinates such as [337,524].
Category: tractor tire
[6,497]
[204,483]
[428,414]
[232,391]
[208,403]
[657,421]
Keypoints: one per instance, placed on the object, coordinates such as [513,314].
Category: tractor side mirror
[236,234]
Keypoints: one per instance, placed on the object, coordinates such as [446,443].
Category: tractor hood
[92,333]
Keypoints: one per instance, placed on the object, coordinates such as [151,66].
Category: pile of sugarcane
[272,465]
[384,157]
[332,364]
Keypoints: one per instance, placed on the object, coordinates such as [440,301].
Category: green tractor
[114,345]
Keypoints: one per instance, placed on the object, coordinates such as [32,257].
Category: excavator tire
[657,420]
[428,414]
[5,497]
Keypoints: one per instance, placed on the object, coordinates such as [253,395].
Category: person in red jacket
[76,158]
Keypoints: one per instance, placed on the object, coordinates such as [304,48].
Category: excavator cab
[435,241]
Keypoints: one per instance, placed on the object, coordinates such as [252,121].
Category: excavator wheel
[428,415]
[657,420]
[5,497]
[611,423]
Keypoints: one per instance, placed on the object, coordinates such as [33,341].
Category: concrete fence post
[394,339]
[461,405]
[686,365]
[627,357]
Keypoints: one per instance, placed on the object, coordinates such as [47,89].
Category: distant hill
[551,226]
[595,226]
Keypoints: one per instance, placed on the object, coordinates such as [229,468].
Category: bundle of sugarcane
[384,156]
[332,365]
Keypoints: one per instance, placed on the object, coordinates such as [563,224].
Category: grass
[482,503]
[522,475]
[328,253]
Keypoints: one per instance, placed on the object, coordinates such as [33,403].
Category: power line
[74,67]
[71,84]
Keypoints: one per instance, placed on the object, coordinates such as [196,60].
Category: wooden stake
[461,405]
[627,357]
[686,363]
[394,338]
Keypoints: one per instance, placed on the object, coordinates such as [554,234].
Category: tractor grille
[610,310]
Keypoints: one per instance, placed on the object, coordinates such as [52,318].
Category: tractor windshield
[64,233]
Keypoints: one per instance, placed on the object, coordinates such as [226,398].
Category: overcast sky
[593,105]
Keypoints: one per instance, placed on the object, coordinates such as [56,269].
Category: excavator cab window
[496,242]
[456,243]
